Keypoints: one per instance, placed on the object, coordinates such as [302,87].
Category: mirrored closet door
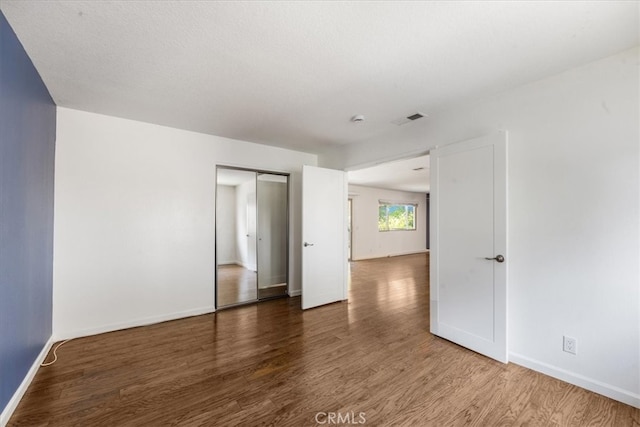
[252,225]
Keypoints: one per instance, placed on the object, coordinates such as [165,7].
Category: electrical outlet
[570,345]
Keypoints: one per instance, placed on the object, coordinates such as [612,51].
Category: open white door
[324,236]
[469,244]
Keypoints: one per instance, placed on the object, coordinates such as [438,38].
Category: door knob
[498,258]
[307,244]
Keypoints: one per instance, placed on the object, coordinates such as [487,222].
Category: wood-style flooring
[237,285]
[273,364]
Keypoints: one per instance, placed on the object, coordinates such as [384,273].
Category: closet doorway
[252,235]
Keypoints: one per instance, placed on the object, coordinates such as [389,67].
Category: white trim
[230,262]
[252,267]
[24,385]
[423,251]
[295,293]
[397,202]
[132,323]
[590,384]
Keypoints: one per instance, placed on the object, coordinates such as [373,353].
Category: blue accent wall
[27,145]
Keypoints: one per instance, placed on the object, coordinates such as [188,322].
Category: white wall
[134,219]
[226,230]
[367,241]
[573,215]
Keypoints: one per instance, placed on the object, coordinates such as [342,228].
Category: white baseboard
[295,292]
[24,385]
[423,251]
[65,335]
[252,267]
[590,384]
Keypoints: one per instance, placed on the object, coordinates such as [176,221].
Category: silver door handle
[307,244]
[498,258]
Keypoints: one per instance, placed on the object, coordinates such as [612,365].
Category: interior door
[469,244]
[324,234]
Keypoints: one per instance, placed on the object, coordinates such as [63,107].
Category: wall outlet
[570,345]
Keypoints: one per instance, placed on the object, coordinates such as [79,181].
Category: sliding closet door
[252,236]
[272,213]
[236,239]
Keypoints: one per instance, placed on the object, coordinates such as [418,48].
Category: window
[396,216]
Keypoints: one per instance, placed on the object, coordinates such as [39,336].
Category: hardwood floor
[272,364]
[236,285]
[272,291]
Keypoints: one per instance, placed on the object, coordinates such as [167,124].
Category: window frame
[405,205]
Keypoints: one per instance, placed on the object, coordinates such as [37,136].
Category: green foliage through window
[396,216]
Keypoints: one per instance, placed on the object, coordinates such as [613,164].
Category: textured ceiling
[405,175]
[292,74]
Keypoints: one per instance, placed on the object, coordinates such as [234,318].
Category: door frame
[350,225]
[215,232]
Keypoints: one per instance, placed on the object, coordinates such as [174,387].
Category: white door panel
[324,233]
[468,202]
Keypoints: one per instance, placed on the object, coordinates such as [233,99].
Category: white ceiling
[398,175]
[292,74]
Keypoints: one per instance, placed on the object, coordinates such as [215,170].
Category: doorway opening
[389,208]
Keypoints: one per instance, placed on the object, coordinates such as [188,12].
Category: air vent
[404,120]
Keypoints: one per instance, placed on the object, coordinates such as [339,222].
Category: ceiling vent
[404,120]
